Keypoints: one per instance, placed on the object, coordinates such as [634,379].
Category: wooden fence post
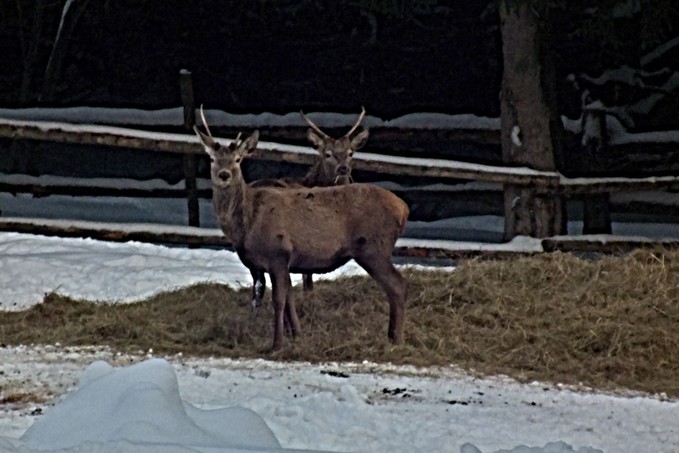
[186,86]
[596,212]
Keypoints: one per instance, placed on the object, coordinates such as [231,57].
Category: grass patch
[608,323]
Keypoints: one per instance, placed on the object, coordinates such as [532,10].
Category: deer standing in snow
[333,167]
[306,230]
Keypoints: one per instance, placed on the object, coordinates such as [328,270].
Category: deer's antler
[207,128]
[313,126]
[323,134]
[202,117]
[358,122]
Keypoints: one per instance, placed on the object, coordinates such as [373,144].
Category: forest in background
[393,57]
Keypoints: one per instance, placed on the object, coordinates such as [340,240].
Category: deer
[332,167]
[306,230]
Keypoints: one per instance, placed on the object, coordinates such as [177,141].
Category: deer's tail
[404,218]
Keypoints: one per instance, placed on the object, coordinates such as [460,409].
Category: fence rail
[187,144]
[379,163]
[438,250]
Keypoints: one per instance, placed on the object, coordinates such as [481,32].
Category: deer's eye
[237,160]
[328,154]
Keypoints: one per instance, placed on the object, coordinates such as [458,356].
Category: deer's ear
[208,142]
[315,139]
[359,140]
[250,143]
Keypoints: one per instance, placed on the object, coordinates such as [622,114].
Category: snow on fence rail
[407,166]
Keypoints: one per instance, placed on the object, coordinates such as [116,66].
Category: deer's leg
[308,282]
[258,287]
[280,287]
[395,287]
[291,319]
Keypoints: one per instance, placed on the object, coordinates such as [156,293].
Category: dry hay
[609,323]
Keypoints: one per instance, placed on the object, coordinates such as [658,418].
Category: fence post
[596,215]
[186,87]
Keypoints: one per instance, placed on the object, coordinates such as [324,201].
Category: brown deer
[332,167]
[306,230]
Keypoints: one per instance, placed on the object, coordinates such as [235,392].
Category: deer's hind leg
[291,318]
[283,305]
[308,282]
[395,286]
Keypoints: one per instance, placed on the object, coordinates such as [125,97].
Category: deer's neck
[316,177]
[230,208]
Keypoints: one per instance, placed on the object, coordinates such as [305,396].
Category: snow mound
[139,406]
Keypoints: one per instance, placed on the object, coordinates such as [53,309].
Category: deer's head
[225,160]
[336,153]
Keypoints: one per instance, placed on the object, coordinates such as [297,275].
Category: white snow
[179,404]
[139,407]
[175,117]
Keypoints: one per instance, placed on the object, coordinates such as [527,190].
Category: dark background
[393,57]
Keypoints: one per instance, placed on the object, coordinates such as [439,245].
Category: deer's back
[281,183]
[324,225]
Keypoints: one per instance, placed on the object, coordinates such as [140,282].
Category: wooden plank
[603,244]
[579,186]
[159,234]
[44,190]
[407,166]
[116,137]
[182,143]
[112,232]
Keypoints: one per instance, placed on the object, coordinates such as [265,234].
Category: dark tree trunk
[69,21]
[596,207]
[531,128]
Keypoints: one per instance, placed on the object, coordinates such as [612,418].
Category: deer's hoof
[395,339]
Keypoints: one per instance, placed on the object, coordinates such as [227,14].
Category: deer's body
[310,230]
[313,230]
[332,167]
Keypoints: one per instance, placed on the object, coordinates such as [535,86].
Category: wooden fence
[594,191]
[187,145]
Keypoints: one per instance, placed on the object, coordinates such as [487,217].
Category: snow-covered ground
[181,404]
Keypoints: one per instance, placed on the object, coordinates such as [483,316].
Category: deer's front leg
[258,287]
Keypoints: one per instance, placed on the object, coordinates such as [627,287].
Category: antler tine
[312,125]
[202,117]
[358,122]
[207,128]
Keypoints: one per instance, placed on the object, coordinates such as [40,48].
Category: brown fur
[310,230]
[332,167]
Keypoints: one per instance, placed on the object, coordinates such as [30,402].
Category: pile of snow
[138,408]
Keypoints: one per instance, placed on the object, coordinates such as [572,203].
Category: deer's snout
[224,175]
[343,170]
